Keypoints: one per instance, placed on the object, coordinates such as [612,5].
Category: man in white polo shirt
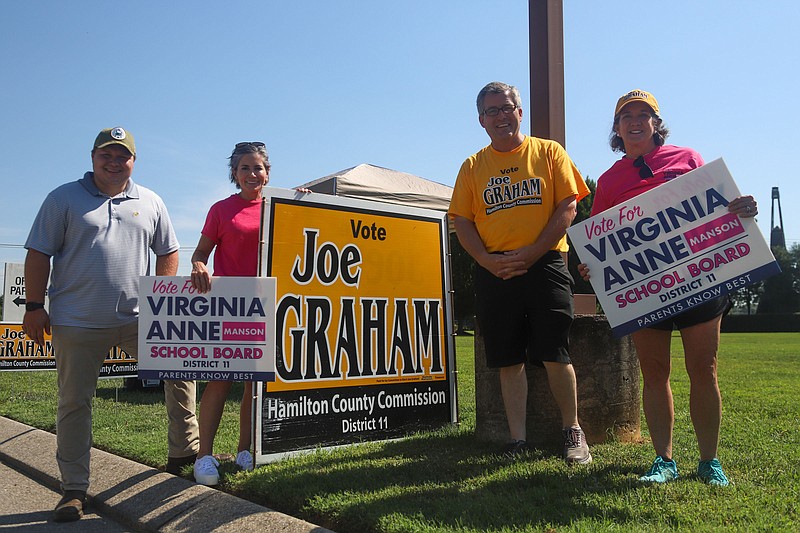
[99,232]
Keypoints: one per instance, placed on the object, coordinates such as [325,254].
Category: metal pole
[546,42]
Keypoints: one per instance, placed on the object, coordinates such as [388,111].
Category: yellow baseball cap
[636,95]
[115,136]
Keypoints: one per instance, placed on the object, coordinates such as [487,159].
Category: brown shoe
[70,508]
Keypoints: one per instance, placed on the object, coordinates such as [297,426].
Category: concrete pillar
[607,372]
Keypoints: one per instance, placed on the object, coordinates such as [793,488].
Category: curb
[140,496]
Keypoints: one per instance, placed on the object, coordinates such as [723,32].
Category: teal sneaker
[711,472]
[662,471]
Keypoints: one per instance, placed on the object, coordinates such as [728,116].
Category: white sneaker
[205,470]
[245,460]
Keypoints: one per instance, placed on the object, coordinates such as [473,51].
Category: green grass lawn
[448,481]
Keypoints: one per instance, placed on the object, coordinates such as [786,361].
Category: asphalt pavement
[26,505]
[123,494]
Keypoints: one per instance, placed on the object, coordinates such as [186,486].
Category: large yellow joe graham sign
[363,322]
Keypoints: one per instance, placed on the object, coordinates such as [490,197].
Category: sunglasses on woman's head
[247,144]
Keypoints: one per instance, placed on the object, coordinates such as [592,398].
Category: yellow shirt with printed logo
[510,196]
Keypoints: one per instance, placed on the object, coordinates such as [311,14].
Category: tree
[748,297]
[462,271]
[781,293]
[584,212]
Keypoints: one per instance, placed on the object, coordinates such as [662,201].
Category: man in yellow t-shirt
[512,204]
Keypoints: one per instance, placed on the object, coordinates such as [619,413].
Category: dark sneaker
[662,471]
[711,472]
[175,465]
[516,448]
[575,448]
[70,508]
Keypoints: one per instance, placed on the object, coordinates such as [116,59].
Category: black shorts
[696,315]
[526,318]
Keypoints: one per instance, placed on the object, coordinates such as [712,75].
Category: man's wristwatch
[33,306]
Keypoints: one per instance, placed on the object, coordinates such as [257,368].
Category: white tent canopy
[370,182]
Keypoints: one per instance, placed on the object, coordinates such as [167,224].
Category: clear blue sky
[329,85]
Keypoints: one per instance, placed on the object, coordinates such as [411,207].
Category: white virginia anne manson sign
[670,249]
[227,334]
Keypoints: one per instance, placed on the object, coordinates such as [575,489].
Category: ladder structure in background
[776,237]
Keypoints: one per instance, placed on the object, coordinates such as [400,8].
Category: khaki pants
[79,353]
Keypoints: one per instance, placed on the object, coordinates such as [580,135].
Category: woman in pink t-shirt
[639,133]
[232,227]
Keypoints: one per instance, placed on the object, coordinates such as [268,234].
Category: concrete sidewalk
[142,497]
